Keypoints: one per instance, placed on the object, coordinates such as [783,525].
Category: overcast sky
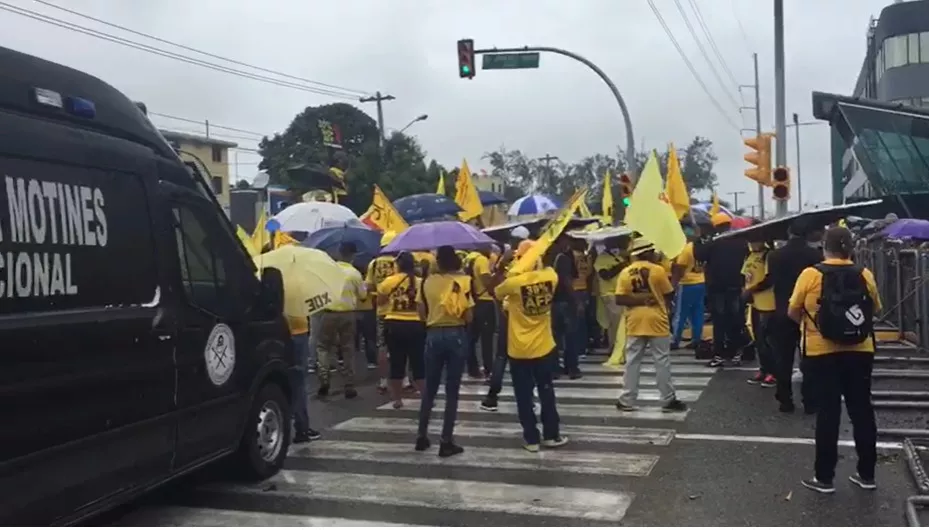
[406,48]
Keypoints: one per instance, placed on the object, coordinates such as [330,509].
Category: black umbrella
[776,229]
[423,206]
[489,198]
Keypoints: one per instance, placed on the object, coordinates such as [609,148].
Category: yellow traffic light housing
[760,158]
[780,183]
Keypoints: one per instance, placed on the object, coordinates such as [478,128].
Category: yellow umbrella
[312,279]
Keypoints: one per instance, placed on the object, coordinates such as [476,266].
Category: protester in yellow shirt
[608,265]
[299,334]
[484,325]
[404,331]
[380,268]
[835,303]
[338,325]
[759,292]
[687,274]
[644,289]
[584,266]
[425,263]
[530,345]
[445,304]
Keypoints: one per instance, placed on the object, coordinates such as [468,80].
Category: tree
[697,164]
[242,185]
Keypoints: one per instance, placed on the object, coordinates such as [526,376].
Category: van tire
[267,434]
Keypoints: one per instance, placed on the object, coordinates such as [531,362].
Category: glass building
[880,135]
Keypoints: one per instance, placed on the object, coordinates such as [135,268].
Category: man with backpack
[835,302]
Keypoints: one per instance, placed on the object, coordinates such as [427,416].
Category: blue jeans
[581,329]
[298,382]
[446,348]
[527,375]
[689,307]
[565,326]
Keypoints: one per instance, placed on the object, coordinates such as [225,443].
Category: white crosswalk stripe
[365,472]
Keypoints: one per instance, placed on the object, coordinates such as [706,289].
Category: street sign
[510,61]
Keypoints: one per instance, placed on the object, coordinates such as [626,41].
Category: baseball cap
[520,232]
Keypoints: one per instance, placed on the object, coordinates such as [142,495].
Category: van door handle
[164,323]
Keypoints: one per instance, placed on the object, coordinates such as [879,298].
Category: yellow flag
[650,212]
[584,211]
[261,236]
[440,189]
[618,355]
[246,241]
[382,215]
[549,234]
[675,187]
[607,209]
[714,209]
[282,239]
[466,194]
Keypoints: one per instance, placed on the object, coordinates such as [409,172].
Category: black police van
[137,343]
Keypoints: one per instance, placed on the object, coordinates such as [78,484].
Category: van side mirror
[272,291]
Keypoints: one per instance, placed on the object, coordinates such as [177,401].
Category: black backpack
[846,310]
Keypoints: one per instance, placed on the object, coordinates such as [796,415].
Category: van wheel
[267,434]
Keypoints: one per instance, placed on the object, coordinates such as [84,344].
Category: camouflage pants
[337,336]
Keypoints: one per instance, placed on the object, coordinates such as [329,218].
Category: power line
[712,41]
[738,20]
[171,55]
[203,122]
[201,52]
[705,55]
[690,65]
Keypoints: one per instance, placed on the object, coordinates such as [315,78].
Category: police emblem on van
[220,354]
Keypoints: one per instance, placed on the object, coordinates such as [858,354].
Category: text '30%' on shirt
[645,277]
[528,297]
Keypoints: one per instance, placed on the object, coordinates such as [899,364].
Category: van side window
[203,269]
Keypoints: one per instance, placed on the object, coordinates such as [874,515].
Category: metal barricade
[901,272]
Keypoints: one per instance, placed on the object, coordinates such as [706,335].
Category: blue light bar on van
[81,107]
[49,98]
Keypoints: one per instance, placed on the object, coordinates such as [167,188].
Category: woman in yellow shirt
[759,292]
[834,303]
[404,332]
[445,304]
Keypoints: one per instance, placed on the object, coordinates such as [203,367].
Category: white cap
[520,232]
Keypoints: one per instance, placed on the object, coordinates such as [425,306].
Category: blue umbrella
[367,241]
[424,206]
[532,205]
[489,198]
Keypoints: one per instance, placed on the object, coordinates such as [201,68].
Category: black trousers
[784,338]
[767,363]
[728,321]
[367,331]
[848,375]
[405,341]
[483,328]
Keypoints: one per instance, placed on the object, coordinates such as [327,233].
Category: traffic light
[760,158]
[780,184]
[466,58]
[625,188]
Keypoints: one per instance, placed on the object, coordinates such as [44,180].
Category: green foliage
[242,185]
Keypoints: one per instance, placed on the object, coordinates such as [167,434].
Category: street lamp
[421,117]
[796,125]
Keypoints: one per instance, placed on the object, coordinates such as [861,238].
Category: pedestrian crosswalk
[364,472]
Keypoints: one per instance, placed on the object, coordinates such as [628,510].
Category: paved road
[731,460]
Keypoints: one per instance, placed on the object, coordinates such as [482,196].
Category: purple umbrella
[908,229]
[429,236]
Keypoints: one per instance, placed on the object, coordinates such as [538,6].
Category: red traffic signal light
[780,183]
[466,58]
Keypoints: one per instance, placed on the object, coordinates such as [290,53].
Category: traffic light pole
[758,131]
[630,140]
[780,118]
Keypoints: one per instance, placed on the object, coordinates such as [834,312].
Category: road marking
[597,359]
[186,516]
[645,394]
[770,440]
[515,458]
[616,379]
[442,494]
[676,369]
[564,410]
[603,352]
[488,429]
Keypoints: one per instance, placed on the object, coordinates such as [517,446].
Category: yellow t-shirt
[378,270]
[583,266]
[605,261]
[646,277]
[298,325]
[402,292]
[425,261]
[693,270]
[353,291]
[755,269]
[528,297]
[434,291]
[480,264]
[806,295]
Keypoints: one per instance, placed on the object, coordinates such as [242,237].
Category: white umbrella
[313,216]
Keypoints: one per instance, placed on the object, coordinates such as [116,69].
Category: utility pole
[548,159]
[780,120]
[379,99]
[757,108]
[799,182]
[735,199]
